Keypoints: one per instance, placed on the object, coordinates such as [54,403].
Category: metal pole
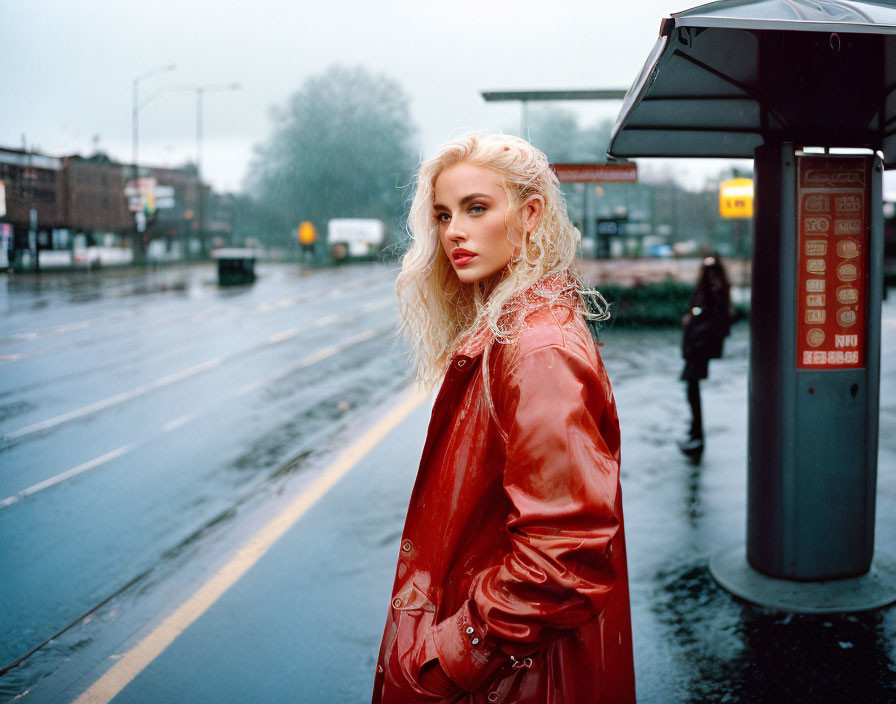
[134,128]
[135,111]
[135,141]
[201,215]
[200,92]
[589,231]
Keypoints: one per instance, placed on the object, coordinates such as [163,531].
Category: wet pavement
[303,624]
[144,415]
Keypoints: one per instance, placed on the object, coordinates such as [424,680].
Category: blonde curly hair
[439,312]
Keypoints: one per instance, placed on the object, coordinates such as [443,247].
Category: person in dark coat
[705,327]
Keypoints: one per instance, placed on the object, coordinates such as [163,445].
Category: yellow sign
[736,198]
[307,233]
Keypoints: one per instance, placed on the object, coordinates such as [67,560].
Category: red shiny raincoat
[512,567]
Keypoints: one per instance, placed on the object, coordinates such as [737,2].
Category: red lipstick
[462,256]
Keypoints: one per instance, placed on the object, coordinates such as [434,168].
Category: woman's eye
[443,217]
[477,209]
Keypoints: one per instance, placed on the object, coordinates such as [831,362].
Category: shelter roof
[727,76]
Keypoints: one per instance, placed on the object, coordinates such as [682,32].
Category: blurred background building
[91,210]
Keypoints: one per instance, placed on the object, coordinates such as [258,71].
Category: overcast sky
[69,66]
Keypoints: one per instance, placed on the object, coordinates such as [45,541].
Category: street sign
[145,195]
[610,227]
[596,173]
[307,233]
[164,197]
[736,198]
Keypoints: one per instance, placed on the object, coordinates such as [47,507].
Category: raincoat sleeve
[562,481]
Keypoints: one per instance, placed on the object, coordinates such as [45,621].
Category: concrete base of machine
[873,590]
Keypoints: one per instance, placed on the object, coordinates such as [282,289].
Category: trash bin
[236,266]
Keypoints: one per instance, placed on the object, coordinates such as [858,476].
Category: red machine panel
[833,194]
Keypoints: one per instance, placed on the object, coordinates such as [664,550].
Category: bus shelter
[807,89]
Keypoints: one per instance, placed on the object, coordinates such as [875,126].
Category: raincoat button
[379,668]
[461,363]
[396,602]
[475,641]
[493,696]
[407,546]
[469,630]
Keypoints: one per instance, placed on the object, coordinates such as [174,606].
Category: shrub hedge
[650,305]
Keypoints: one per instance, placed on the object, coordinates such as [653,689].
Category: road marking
[285,335]
[116,399]
[317,294]
[178,422]
[72,327]
[318,356]
[189,417]
[172,378]
[73,472]
[55,330]
[133,662]
[326,320]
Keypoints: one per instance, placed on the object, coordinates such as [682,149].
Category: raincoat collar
[557,289]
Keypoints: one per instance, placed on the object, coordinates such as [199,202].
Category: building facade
[62,203]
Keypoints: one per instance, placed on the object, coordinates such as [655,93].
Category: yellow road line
[142,654]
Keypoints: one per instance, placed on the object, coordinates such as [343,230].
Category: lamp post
[200,93]
[135,146]
[135,132]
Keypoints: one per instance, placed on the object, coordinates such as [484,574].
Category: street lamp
[135,134]
[200,93]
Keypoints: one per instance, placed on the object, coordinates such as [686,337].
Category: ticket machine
[807,89]
[815,364]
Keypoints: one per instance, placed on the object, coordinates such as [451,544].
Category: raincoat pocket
[504,683]
[413,616]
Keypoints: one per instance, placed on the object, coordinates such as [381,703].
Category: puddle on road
[319,409]
[15,409]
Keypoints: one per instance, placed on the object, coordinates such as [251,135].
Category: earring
[518,258]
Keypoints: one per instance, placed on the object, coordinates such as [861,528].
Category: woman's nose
[454,233]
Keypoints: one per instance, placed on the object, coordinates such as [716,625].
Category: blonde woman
[511,583]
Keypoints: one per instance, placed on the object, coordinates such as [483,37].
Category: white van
[355,238]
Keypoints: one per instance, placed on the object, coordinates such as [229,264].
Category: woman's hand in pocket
[434,679]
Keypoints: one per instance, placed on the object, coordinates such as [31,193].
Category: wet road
[304,623]
[140,412]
